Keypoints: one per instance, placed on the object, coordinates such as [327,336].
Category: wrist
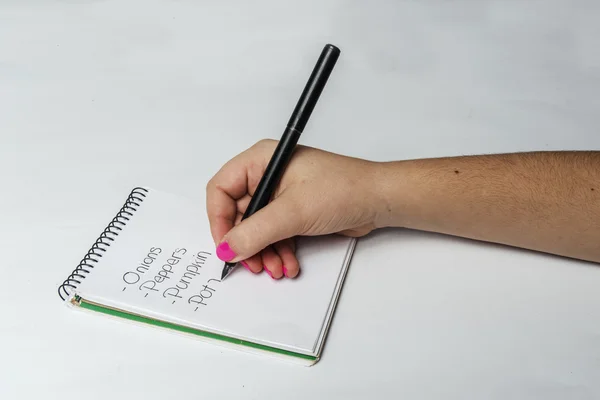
[380,201]
[392,195]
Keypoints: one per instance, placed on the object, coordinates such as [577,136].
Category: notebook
[155,264]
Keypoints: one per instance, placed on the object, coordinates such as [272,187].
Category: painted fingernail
[224,252]
[268,272]
[284,271]
[246,266]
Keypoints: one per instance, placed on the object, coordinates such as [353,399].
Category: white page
[288,313]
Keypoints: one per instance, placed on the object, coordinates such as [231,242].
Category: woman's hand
[319,193]
[544,201]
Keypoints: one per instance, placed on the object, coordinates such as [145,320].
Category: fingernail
[246,266]
[284,270]
[224,252]
[268,272]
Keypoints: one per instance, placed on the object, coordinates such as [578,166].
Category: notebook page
[163,265]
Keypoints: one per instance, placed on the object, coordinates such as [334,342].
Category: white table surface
[99,96]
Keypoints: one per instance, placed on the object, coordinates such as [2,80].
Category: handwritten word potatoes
[171,278]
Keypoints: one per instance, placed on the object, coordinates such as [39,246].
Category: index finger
[226,186]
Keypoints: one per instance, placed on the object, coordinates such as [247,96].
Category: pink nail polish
[224,252]
[246,266]
[268,272]
[284,270]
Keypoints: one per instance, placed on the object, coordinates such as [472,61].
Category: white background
[99,96]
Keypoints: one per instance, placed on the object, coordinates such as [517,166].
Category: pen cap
[314,87]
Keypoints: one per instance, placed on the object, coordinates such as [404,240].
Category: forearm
[544,201]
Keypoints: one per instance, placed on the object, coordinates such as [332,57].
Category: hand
[319,193]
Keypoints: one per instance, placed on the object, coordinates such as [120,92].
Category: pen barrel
[274,171]
[285,148]
[316,82]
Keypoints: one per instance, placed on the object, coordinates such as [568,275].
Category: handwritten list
[170,275]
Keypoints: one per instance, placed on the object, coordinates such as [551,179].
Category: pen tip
[226,270]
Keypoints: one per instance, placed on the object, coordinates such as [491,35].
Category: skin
[542,201]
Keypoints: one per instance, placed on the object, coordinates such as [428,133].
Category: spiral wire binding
[134,200]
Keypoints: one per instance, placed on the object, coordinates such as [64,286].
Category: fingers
[253,264]
[242,204]
[227,197]
[286,251]
[235,180]
[277,261]
[272,263]
[277,221]
[222,211]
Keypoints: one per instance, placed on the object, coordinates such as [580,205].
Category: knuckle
[266,141]
[265,144]
[209,184]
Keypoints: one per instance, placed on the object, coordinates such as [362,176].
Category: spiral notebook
[155,264]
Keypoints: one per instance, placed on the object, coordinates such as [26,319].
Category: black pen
[285,148]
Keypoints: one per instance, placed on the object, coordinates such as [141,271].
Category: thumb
[276,221]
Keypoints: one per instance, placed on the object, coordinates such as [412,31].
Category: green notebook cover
[137,318]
